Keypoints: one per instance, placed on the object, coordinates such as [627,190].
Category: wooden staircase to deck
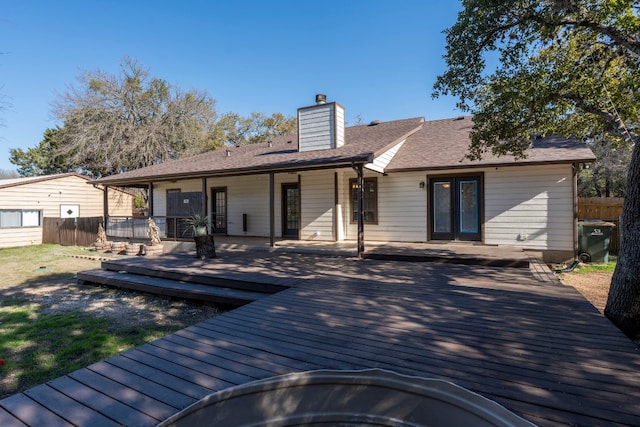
[177,283]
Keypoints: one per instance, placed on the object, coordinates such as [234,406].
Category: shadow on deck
[536,347]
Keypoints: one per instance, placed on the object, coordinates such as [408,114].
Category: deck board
[538,348]
[65,406]
[114,409]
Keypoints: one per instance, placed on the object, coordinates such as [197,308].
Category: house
[24,202]
[416,186]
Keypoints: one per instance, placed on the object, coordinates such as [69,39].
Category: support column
[272,227]
[150,198]
[105,205]
[359,171]
[204,200]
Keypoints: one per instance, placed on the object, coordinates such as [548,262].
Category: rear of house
[399,181]
[25,202]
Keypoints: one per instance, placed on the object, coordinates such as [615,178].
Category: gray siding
[321,127]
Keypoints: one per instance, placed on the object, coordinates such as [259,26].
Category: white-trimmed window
[17,218]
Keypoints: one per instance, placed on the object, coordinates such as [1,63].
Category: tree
[42,159]
[607,176]
[6,174]
[568,67]
[234,130]
[118,123]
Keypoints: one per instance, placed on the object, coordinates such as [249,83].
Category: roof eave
[301,166]
[492,165]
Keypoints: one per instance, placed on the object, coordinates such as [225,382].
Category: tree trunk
[205,247]
[623,303]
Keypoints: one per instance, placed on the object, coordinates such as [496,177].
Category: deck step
[448,259]
[167,287]
[189,275]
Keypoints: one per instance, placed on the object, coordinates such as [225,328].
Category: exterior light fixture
[421,184]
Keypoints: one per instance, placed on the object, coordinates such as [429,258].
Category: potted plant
[198,224]
[205,246]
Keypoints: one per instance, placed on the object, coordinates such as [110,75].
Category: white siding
[529,207]
[318,204]
[48,195]
[402,208]
[246,195]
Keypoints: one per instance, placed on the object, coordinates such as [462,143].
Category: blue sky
[378,58]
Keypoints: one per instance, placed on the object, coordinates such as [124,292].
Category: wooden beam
[105,205]
[204,200]
[359,171]
[335,206]
[272,227]
[150,198]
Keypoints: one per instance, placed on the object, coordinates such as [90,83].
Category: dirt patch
[593,286]
[122,308]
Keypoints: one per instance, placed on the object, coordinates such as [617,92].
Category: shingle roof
[437,144]
[362,144]
[443,144]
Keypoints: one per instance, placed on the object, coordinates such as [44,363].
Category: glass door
[455,208]
[219,210]
[442,209]
[290,210]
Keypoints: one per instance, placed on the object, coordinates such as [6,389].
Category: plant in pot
[205,246]
[198,224]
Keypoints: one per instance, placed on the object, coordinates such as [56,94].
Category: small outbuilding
[25,203]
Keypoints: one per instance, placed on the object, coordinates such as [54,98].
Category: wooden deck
[536,347]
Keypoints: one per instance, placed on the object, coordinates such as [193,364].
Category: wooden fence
[70,231]
[604,208]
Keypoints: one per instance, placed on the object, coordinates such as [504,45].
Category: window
[369,199]
[17,218]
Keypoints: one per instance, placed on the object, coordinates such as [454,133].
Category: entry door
[290,210]
[455,208]
[219,210]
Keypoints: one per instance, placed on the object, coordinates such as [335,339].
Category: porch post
[105,205]
[272,228]
[360,211]
[204,200]
[150,198]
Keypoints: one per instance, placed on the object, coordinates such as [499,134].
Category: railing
[137,228]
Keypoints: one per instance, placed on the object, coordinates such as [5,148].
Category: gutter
[259,170]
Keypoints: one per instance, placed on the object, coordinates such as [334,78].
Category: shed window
[17,218]
[369,199]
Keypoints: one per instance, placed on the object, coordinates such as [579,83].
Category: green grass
[38,347]
[604,268]
[32,263]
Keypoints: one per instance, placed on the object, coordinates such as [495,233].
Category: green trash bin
[594,238]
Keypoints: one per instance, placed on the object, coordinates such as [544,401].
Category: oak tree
[114,123]
[569,67]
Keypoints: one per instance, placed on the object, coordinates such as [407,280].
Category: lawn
[50,326]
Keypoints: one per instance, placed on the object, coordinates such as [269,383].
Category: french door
[219,210]
[455,208]
[290,210]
